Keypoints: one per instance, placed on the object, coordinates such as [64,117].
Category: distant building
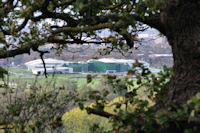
[103,65]
[52,66]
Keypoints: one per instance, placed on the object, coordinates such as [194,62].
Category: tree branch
[43,62]
[77,41]
[153,21]
[21,50]
[22,25]
[100,113]
[84,29]
[63,16]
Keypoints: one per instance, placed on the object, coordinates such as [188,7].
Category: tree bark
[186,81]
[183,33]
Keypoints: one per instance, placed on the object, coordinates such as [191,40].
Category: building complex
[103,65]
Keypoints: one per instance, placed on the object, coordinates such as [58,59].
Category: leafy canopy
[29,24]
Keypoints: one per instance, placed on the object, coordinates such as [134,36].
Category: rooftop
[49,60]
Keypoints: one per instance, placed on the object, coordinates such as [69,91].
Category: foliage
[72,22]
[3,72]
[19,71]
[78,121]
[34,107]
[139,108]
[24,26]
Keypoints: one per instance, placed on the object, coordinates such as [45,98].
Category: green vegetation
[75,120]
[22,75]
[136,111]
[59,81]
[78,121]
[106,105]
[34,108]
[172,101]
[19,71]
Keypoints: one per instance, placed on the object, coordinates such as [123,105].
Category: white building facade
[52,66]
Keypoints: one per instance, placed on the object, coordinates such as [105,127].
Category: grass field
[19,70]
[42,80]
[21,75]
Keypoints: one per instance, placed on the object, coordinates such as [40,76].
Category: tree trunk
[183,33]
[186,81]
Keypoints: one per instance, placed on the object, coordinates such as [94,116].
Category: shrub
[34,107]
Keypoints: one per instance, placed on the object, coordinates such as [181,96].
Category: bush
[139,108]
[78,121]
[34,107]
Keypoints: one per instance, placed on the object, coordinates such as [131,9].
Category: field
[21,75]
[19,71]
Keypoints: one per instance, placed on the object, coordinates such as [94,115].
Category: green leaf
[81,106]
[3,72]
